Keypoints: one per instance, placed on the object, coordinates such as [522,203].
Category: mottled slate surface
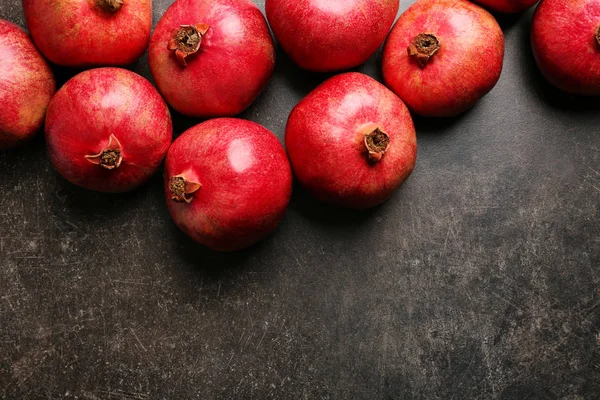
[480,279]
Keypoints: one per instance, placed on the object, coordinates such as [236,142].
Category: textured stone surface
[479,279]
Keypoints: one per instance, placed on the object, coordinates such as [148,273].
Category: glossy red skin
[562,36]
[76,33]
[326,147]
[467,66]
[233,66]
[330,35]
[506,6]
[246,183]
[26,86]
[92,106]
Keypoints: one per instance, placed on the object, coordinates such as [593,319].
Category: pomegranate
[565,36]
[330,35]
[211,57]
[108,130]
[83,33]
[351,141]
[506,6]
[228,183]
[26,86]
[435,64]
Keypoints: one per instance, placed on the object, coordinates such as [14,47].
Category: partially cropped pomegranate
[565,36]
[442,56]
[330,35]
[506,6]
[228,183]
[108,130]
[84,33]
[211,57]
[351,141]
[26,86]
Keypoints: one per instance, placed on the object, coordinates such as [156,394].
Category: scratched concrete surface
[478,280]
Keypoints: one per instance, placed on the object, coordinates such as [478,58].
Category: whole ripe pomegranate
[442,56]
[26,86]
[108,130]
[565,36]
[351,141]
[228,183]
[211,57]
[506,6]
[84,33]
[330,35]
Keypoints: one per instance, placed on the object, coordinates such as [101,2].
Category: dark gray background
[479,279]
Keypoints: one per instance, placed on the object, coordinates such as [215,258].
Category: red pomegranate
[84,33]
[26,86]
[565,36]
[351,141]
[506,6]
[330,35]
[108,130]
[442,56]
[211,57]
[228,183]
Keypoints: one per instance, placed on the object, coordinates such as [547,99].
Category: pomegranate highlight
[26,86]
[351,141]
[506,6]
[436,65]
[227,183]
[86,33]
[108,130]
[211,58]
[565,37]
[330,35]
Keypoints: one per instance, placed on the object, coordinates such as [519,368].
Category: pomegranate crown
[187,41]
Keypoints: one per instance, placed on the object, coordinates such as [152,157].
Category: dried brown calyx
[423,47]
[182,190]
[187,41]
[109,158]
[377,143]
[598,35]
[111,6]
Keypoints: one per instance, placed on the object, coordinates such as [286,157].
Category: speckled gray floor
[480,279]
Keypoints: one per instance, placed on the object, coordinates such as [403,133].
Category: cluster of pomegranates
[228,181]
